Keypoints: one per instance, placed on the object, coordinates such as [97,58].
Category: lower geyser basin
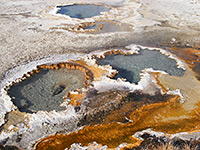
[45,90]
[82,11]
[111,110]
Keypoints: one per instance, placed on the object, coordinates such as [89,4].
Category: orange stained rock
[162,86]
[81,27]
[96,71]
[115,52]
[189,55]
[76,98]
[107,134]
[128,103]
[32,72]
[168,117]
[188,86]
[37,70]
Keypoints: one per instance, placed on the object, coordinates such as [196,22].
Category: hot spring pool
[45,90]
[82,11]
[130,66]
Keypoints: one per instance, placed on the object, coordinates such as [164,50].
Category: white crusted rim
[54,12]
[104,84]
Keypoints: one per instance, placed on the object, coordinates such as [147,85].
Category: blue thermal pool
[45,90]
[82,11]
[130,66]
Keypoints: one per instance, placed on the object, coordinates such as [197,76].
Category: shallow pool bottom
[45,90]
[107,27]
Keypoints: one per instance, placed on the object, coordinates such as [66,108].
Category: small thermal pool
[108,27]
[45,90]
[82,11]
[130,66]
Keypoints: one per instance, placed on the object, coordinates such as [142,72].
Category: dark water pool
[130,66]
[45,91]
[82,11]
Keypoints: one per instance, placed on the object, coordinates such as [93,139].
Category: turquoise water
[129,67]
[45,91]
[82,11]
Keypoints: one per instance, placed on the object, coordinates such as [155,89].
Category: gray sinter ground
[130,66]
[82,11]
[45,91]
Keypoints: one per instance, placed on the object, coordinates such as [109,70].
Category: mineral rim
[109,106]
[44,89]
[106,113]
